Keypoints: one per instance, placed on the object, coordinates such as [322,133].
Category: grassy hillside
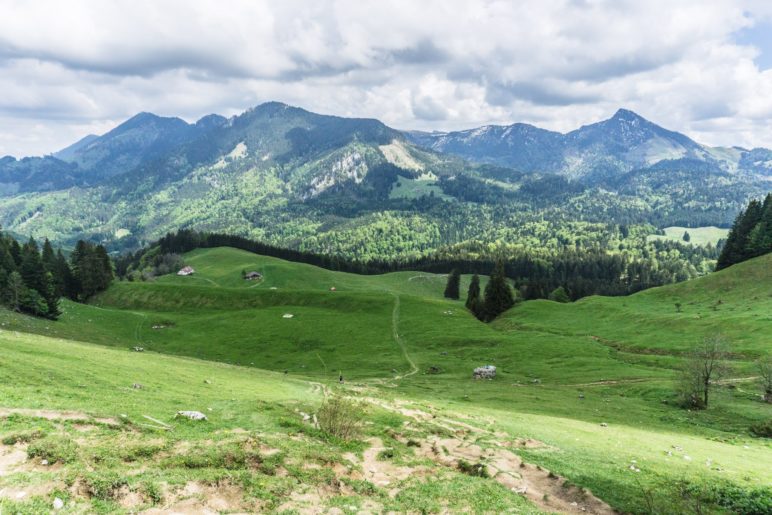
[588,384]
[697,235]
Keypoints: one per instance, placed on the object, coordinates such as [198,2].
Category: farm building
[253,276]
[187,270]
[486,372]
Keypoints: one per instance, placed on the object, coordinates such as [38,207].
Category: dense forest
[32,280]
[578,271]
[751,234]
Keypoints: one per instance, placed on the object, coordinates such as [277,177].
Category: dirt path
[398,339]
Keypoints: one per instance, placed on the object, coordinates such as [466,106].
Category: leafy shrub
[762,429]
[732,498]
[476,470]
[55,449]
[340,418]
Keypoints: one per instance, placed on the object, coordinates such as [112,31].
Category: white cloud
[81,66]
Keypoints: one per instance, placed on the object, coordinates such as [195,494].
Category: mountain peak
[626,115]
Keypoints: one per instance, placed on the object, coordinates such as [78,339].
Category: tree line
[750,236]
[33,279]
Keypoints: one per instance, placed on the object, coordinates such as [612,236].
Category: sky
[69,68]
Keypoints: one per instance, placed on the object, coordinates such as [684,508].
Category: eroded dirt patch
[58,415]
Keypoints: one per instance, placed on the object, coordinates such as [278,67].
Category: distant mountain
[592,153]
[359,188]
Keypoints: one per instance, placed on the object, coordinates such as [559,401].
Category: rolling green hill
[584,390]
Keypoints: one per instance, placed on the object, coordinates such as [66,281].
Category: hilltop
[584,391]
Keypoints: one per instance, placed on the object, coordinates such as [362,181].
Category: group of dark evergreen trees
[32,280]
[750,236]
[498,296]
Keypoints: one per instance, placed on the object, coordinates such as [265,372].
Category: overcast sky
[69,68]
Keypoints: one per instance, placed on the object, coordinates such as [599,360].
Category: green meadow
[583,401]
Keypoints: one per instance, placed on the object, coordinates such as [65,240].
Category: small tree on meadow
[498,293]
[686,237]
[703,367]
[560,294]
[473,301]
[454,282]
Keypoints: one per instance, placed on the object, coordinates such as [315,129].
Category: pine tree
[737,247]
[473,302]
[453,286]
[686,237]
[41,299]
[16,290]
[498,294]
[760,238]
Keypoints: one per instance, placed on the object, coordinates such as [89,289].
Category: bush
[55,449]
[476,470]
[762,429]
[104,485]
[340,418]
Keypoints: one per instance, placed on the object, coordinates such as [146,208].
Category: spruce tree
[498,294]
[453,285]
[473,302]
[760,238]
[686,237]
[737,247]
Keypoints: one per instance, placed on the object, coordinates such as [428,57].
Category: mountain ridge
[361,189]
[614,146]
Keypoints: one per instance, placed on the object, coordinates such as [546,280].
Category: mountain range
[360,188]
[593,152]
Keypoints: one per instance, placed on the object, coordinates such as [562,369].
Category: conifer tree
[453,285]
[498,293]
[473,302]
[741,243]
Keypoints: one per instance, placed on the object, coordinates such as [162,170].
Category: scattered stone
[192,415]
[58,504]
[139,349]
[287,315]
[687,458]
[207,381]
[536,381]
[581,396]
[603,424]
[137,386]
[332,288]
[44,462]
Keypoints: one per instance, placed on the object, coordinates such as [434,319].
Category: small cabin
[188,270]
[486,372]
[253,276]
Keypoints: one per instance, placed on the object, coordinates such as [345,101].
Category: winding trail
[398,339]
